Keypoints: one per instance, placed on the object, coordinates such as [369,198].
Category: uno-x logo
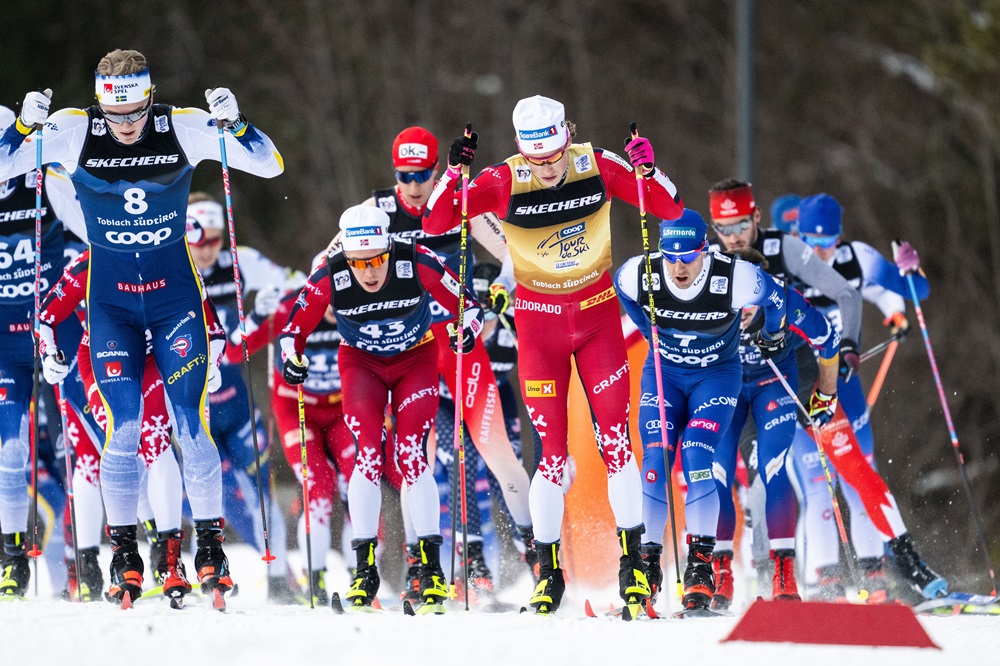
[539,388]
[113,369]
[138,238]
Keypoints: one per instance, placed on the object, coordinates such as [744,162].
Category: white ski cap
[7,117]
[364,228]
[208,214]
[540,124]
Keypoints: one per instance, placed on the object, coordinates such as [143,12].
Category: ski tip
[408,608]
[376,604]
[650,611]
[177,603]
[587,608]
[126,601]
[335,605]
[524,609]
[631,611]
[218,602]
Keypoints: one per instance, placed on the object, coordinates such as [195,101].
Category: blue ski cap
[785,213]
[821,215]
[364,228]
[688,233]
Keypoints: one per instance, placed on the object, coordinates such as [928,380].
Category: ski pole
[818,438]
[878,349]
[654,350]
[459,381]
[305,492]
[268,557]
[959,458]
[67,453]
[39,173]
[883,370]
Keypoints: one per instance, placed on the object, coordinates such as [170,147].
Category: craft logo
[539,389]
[113,369]
[181,345]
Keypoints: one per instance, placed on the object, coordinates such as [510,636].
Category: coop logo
[539,389]
[181,345]
[113,369]
[138,238]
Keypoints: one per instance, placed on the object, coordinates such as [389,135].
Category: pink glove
[640,154]
[906,258]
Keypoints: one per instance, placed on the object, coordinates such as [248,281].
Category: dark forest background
[891,106]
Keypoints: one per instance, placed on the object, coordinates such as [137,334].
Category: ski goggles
[545,161]
[732,229]
[820,241]
[685,258]
[206,242]
[374,262]
[418,177]
[122,118]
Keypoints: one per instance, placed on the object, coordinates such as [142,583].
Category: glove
[906,258]
[899,327]
[223,107]
[468,338]
[850,362]
[463,150]
[499,298]
[35,108]
[296,369]
[822,407]
[214,378]
[266,302]
[769,344]
[54,367]
[640,154]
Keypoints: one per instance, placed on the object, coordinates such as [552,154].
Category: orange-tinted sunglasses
[374,262]
[552,159]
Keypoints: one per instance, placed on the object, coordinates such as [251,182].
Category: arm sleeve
[880,271]
[67,293]
[489,192]
[309,308]
[627,286]
[488,231]
[804,265]
[253,152]
[62,141]
[752,286]
[442,284]
[810,324]
[660,194]
[259,271]
[65,204]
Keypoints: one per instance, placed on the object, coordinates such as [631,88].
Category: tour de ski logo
[181,345]
[568,242]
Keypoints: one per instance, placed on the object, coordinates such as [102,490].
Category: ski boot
[366,581]
[722,568]
[170,569]
[831,584]
[651,553]
[126,565]
[914,570]
[480,576]
[633,585]
[155,550]
[16,572]
[210,560]
[874,579]
[551,584]
[411,590]
[527,535]
[319,594]
[433,585]
[88,585]
[280,590]
[699,578]
[783,586]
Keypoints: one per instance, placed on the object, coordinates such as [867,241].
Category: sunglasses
[686,258]
[122,118]
[374,262]
[407,177]
[732,229]
[816,240]
[551,159]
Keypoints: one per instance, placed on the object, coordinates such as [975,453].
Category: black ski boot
[874,579]
[411,589]
[320,596]
[914,570]
[156,547]
[16,572]
[170,568]
[651,554]
[633,585]
[210,560]
[126,565]
[699,579]
[366,581]
[527,535]
[831,584]
[433,585]
[480,576]
[551,584]
[88,585]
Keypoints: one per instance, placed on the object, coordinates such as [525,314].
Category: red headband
[727,204]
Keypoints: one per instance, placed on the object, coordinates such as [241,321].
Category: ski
[628,612]
[218,601]
[700,613]
[337,606]
[422,609]
[953,604]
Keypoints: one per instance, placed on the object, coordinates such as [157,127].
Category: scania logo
[138,238]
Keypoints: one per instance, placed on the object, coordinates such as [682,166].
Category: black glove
[769,344]
[822,407]
[463,150]
[850,362]
[468,338]
[295,370]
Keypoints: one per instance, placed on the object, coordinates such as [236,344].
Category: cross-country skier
[131,162]
[380,291]
[554,197]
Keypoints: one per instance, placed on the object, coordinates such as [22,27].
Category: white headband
[207,213]
[125,89]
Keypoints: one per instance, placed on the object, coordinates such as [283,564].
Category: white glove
[214,378]
[267,300]
[54,368]
[46,339]
[222,105]
[35,108]
[216,348]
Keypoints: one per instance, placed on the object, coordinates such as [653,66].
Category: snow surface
[49,631]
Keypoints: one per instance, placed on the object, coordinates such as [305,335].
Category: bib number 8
[135,200]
